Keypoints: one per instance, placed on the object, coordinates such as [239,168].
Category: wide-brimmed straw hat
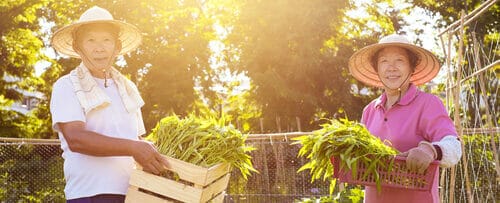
[361,68]
[129,35]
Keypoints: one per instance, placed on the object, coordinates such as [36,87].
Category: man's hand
[149,158]
[419,158]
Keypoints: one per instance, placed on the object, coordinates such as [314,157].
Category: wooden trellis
[455,82]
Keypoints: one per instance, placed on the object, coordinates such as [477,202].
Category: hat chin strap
[104,70]
[399,88]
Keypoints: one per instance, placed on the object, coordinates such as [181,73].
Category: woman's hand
[419,158]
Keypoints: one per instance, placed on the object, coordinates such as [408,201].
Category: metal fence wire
[278,179]
[31,171]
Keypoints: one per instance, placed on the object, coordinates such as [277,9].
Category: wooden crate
[197,184]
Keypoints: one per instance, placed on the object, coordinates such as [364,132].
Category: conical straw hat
[361,68]
[129,35]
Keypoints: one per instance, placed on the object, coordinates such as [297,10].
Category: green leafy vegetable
[202,141]
[348,141]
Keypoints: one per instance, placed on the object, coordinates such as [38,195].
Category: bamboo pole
[480,71]
[277,156]
[456,117]
[448,102]
[491,3]
[278,123]
[471,131]
[263,152]
[442,172]
[457,120]
[489,120]
[469,17]
[441,183]
[261,120]
[297,119]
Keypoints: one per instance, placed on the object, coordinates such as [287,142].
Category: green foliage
[202,141]
[451,11]
[351,144]
[295,53]
[485,29]
[235,106]
[350,195]
[31,174]
[281,45]
[478,150]
[174,52]
[20,50]
[19,47]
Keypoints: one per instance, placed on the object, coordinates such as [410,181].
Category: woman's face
[394,67]
[98,49]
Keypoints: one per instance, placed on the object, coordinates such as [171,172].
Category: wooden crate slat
[136,196]
[186,171]
[219,198]
[215,188]
[197,174]
[164,186]
[217,171]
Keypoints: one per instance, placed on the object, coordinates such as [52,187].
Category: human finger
[150,168]
[411,164]
[423,166]
[163,161]
[404,154]
[151,165]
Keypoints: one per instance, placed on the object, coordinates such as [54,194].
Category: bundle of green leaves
[203,142]
[351,144]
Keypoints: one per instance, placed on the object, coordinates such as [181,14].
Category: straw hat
[361,68]
[129,35]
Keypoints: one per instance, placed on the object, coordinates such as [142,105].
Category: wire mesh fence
[481,175]
[32,172]
[472,90]
[278,179]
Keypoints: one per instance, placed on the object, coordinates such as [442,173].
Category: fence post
[298,124]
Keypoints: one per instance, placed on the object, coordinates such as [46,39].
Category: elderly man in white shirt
[97,111]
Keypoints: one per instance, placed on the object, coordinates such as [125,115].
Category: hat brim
[62,40]
[361,68]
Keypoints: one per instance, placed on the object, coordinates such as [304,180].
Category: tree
[174,52]
[485,29]
[281,45]
[19,52]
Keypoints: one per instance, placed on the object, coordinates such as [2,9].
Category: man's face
[98,48]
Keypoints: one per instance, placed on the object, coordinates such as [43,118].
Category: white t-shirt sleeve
[64,105]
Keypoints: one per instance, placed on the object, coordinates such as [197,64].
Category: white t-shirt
[90,175]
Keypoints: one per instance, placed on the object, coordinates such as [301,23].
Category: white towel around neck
[91,96]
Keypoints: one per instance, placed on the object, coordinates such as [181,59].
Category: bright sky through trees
[417,18]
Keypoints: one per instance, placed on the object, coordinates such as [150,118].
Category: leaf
[351,142]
